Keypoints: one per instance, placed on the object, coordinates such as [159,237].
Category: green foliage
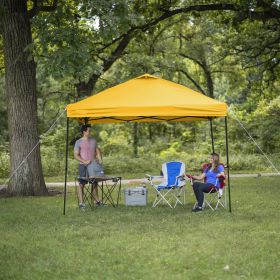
[118,150]
[262,125]
[4,165]
[268,118]
[119,164]
[75,40]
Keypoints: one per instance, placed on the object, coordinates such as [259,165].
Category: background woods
[57,52]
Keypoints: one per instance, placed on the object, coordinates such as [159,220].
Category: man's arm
[99,155]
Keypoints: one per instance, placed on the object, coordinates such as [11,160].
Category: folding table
[106,185]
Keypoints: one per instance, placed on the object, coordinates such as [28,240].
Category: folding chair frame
[216,196]
[169,194]
[163,193]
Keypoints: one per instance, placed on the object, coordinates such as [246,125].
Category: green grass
[38,242]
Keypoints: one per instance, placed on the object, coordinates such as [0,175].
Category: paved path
[144,180]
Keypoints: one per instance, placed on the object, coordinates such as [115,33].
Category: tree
[84,41]
[70,46]
[20,85]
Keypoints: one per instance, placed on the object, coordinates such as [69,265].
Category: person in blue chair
[210,175]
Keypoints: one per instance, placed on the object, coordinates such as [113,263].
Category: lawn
[38,242]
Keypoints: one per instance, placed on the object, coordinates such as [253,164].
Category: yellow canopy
[146,99]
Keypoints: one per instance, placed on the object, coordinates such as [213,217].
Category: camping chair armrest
[190,178]
[181,177]
[150,177]
[221,177]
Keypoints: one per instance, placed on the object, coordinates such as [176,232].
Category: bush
[118,165]
[253,162]
[123,164]
[149,162]
[4,165]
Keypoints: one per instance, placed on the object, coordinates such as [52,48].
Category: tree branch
[117,52]
[192,58]
[192,80]
[125,38]
[36,8]
[170,13]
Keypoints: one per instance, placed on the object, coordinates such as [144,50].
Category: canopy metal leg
[212,137]
[66,164]
[226,130]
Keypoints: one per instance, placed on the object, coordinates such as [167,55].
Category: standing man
[89,156]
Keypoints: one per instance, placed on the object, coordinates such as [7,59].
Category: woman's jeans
[199,190]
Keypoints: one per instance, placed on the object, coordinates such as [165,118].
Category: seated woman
[213,171]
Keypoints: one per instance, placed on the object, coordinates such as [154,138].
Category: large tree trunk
[85,89]
[20,83]
[209,81]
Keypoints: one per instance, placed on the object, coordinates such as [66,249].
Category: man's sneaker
[197,209]
[82,206]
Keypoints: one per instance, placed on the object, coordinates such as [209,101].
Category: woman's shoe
[197,209]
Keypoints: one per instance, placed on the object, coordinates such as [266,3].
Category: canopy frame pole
[212,137]
[227,154]
[86,120]
[66,164]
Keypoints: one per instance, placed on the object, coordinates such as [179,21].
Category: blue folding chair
[172,190]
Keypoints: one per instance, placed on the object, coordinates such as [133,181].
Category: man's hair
[84,127]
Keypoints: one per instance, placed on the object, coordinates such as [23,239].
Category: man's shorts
[94,169]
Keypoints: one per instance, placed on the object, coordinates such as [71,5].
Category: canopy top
[146,99]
